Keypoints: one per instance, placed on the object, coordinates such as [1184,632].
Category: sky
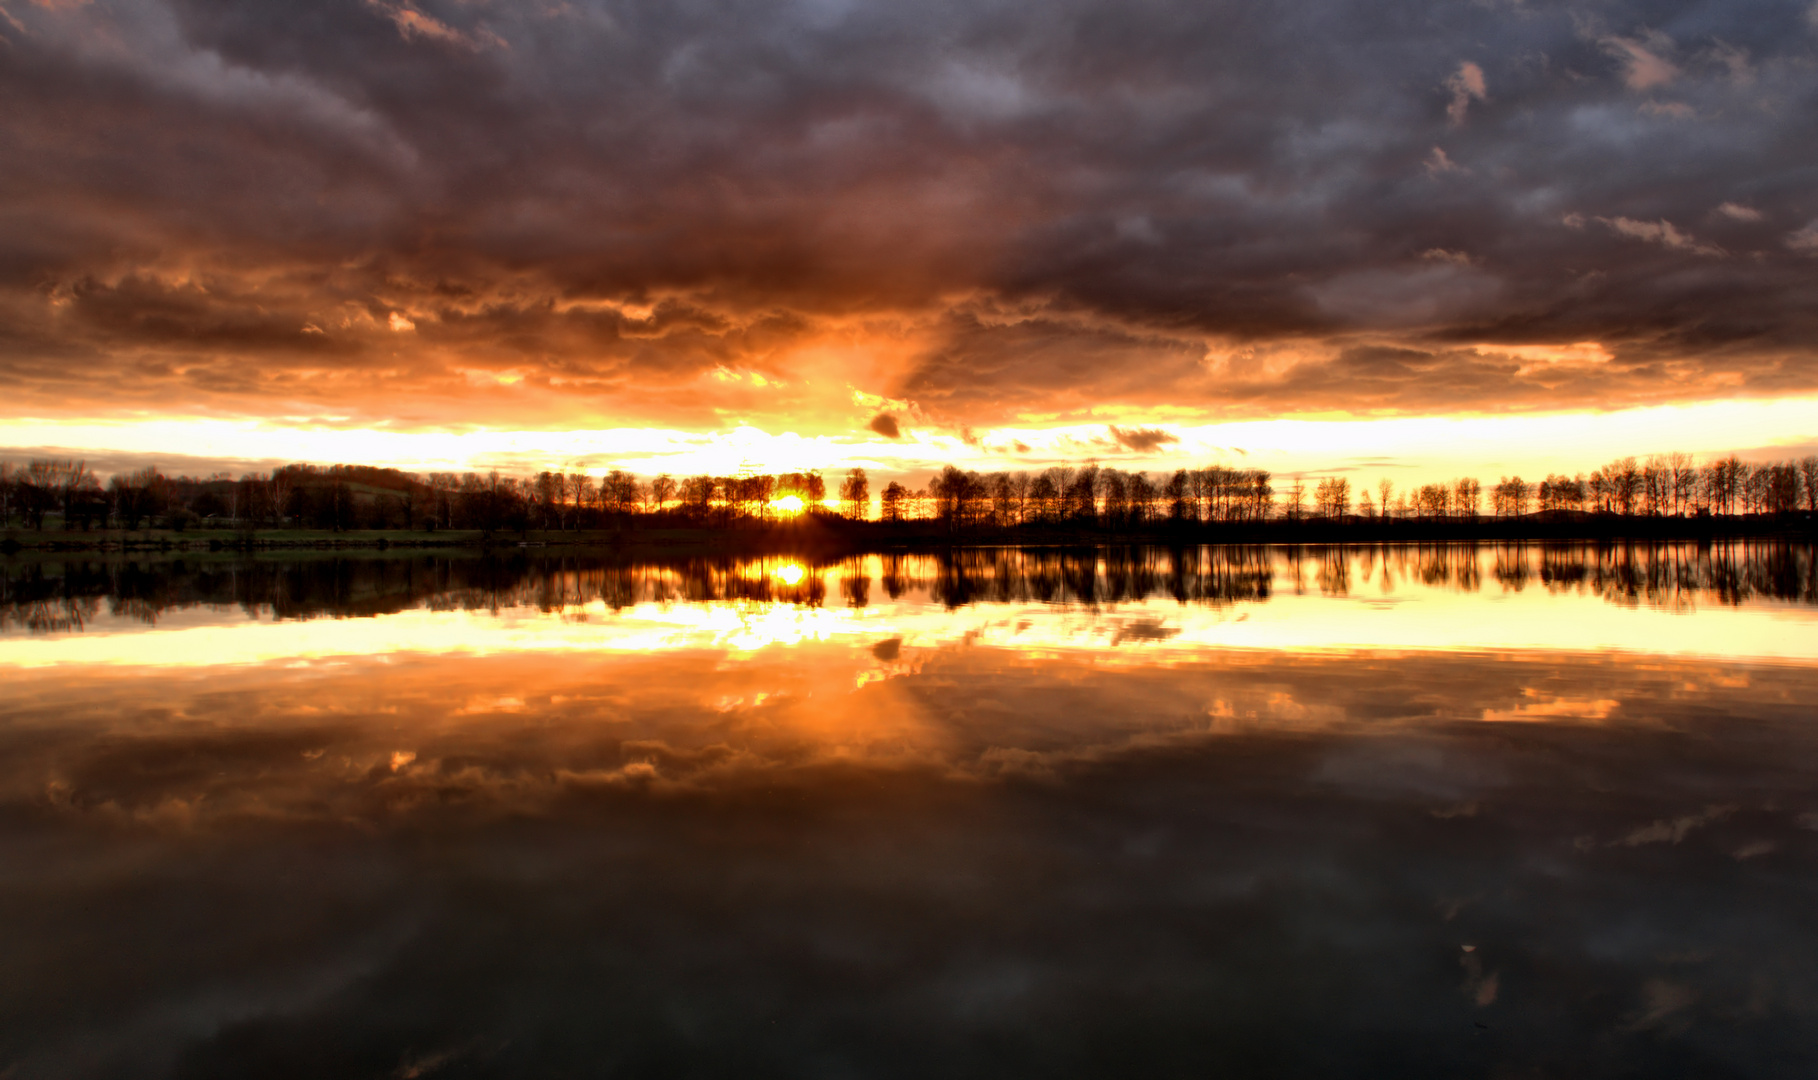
[1402,238]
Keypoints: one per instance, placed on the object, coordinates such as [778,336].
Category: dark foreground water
[1460,812]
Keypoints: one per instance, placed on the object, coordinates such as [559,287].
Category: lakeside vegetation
[61,503]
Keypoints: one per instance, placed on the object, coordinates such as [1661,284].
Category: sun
[788,504]
[789,573]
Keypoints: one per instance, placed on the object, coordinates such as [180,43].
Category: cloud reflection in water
[902,860]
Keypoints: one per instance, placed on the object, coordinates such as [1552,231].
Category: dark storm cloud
[1302,205]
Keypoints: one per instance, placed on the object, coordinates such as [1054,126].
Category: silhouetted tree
[697,494]
[1467,498]
[619,493]
[1179,494]
[1510,497]
[1003,499]
[582,492]
[1432,501]
[1560,492]
[1332,497]
[1144,497]
[855,493]
[1044,498]
[661,490]
[1723,484]
[891,503]
[1020,485]
[1294,500]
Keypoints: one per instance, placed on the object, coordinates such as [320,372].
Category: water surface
[1461,811]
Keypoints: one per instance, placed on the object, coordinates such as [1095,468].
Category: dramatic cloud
[799,215]
[885,424]
[1142,440]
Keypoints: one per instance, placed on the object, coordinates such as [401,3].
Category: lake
[1463,811]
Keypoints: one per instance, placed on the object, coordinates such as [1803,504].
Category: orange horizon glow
[1407,449]
[1051,257]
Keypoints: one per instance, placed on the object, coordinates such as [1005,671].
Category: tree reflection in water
[63,596]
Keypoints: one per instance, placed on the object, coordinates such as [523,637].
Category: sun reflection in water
[1041,604]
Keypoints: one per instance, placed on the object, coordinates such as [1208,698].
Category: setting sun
[835,535]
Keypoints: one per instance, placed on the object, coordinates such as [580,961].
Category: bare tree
[1081,495]
[1332,497]
[1723,484]
[53,484]
[1781,488]
[1114,497]
[1510,497]
[661,490]
[1600,493]
[1043,497]
[1625,480]
[1683,481]
[1432,501]
[1179,493]
[1554,493]
[1003,499]
[581,493]
[697,493]
[891,504]
[1204,487]
[619,493]
[1143,497]
[136,495]
[1260,500]
[1656,486]
[855,492]
[1467,498]
[1294,502]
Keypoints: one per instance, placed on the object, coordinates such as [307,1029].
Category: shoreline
[836,536]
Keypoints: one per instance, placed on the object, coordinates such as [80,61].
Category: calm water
[1457,811]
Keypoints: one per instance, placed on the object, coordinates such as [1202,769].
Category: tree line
[345,497]
[1663,485]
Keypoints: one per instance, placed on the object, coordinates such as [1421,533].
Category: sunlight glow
[790,573]
[787,505]
[1408,449]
